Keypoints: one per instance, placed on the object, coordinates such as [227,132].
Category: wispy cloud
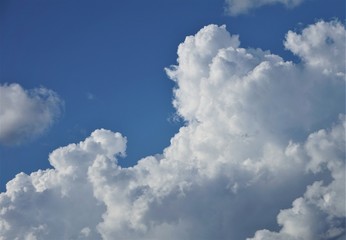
[90,96]
[237,7]
[261,135]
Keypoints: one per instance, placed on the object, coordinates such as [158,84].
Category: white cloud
[59,203]
[237,7]
[321,45]
[320,212]
[251,157]
[25,114]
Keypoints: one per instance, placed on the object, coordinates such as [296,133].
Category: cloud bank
[26,114]
[237,7]
[262,155]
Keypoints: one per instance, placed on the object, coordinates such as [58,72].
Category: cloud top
[26,114]
[321,45]
[261,155]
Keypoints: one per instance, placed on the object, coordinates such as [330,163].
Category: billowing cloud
[25,114]
[320,212]
[321,46]
[237,7]
[261,155]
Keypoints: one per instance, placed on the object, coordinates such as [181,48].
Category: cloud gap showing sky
[261,156]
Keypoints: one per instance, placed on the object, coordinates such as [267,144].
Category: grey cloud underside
[261,156]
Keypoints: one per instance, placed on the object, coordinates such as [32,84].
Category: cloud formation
[320,212]
[237,7]
[25,114]
[261,155]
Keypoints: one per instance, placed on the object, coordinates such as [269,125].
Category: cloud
[321,46]
[320,212]
[237,7]
[25,114]
[90,96]
[261,155]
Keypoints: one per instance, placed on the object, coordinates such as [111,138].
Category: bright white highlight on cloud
[237,7]
[321,45]
[25,114]
[262,155]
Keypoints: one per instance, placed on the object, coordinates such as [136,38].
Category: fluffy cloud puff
[320,212]
[262,148]
[25,114]
[236,7]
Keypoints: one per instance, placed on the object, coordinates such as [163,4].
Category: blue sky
[106,59]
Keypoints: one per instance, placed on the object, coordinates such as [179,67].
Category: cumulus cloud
[25,114]
[320,212]
[321,45]
[237,7]
[261,156]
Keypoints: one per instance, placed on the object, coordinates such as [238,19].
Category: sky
[181,119]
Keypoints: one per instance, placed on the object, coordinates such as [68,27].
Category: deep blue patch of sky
[106,59]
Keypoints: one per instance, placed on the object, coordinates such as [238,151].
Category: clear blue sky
[106,60]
